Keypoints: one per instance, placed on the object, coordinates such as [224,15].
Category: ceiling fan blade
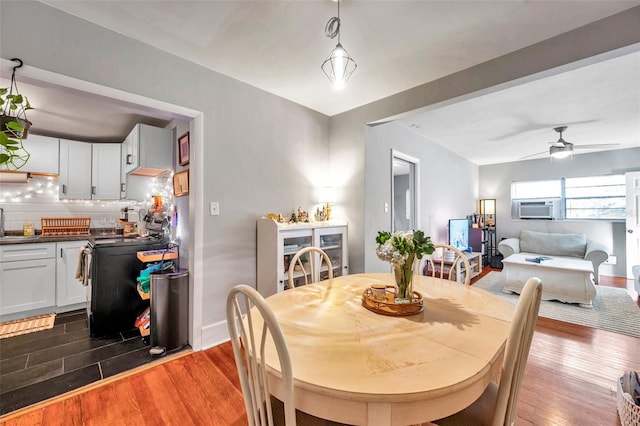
[597,145]
[533,155]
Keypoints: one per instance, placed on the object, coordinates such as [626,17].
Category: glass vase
[404,282]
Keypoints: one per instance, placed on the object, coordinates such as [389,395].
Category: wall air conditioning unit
[539,209]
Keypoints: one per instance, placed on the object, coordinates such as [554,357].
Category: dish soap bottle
[27,229]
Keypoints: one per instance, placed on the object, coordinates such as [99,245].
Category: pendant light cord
[332,29]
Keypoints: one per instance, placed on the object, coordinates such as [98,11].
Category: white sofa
[556,245]
[635,270]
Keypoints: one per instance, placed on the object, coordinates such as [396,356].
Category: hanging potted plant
[14,125]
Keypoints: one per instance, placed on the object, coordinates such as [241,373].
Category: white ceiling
[279,46]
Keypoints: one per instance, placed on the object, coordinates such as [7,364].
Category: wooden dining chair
[309,265]
[497,405]
[252,373]
[443,263]
[249,350]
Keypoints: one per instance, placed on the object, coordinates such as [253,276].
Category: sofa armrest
[596,253]
[509,246]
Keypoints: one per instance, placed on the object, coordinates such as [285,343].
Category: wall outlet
[214,208]
[612,260]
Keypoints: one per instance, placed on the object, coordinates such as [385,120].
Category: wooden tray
[389,306]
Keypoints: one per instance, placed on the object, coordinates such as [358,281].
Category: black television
[459,233]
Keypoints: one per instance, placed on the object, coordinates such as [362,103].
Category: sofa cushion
[574,245]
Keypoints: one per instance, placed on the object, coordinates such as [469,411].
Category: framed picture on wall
[183,149]
[181,183]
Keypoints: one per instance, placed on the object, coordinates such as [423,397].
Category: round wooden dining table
[358,367]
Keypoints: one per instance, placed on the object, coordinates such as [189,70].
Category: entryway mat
[26,325]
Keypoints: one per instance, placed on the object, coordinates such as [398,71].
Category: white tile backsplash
[39,198]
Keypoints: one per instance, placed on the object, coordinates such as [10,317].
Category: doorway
[404,191]
[633,221]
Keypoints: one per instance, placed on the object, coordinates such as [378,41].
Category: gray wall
[447,189]
[495,182]
[347,131]
[261,153]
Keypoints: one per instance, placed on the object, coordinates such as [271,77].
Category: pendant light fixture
[339,66]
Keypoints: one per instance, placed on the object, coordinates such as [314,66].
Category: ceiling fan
[562,149]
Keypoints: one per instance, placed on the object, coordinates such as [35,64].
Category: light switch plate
[214,208]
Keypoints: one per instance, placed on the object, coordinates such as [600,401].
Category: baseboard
[214,334]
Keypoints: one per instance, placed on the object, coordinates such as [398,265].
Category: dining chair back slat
[497,405]
[314,257]
[243,302]
[443,263]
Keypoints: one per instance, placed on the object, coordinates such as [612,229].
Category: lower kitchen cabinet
[27,278]
[69,291]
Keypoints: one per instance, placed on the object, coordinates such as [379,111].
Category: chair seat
[479,413]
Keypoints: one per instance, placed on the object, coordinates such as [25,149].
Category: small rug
[26,325]
[613,308]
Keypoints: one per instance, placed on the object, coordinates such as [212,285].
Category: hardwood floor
[570,379]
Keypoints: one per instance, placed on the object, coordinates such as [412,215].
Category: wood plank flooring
[570,379]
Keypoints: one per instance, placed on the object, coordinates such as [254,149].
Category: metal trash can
[169,310]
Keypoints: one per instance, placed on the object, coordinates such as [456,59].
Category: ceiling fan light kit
[563,149]
[339,65]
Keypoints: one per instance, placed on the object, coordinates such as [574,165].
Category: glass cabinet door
[333,242]
[291,243]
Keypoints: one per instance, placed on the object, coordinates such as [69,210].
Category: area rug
[613,308]
[26,325]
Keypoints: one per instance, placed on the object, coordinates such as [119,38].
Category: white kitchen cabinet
[75,170]
[27,278]
[69,291]
[105,171]
[130,152]
[148,151]
[278,243]
[89,171]
[43,153]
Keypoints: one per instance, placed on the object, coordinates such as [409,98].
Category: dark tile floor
[37,366]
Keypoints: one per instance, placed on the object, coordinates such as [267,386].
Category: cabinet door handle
[64,188]
[61,253]
[129,159]
[122,189]
[93,190]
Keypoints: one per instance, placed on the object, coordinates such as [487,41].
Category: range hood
[14,177]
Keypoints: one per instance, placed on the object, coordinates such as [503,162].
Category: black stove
[115,302]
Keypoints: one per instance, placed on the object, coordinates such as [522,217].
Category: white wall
[448,185]
[495,182]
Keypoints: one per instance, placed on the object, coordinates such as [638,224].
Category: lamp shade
[488,206]
[339,66]
[326,195]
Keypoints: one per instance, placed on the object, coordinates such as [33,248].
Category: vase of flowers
[402,249]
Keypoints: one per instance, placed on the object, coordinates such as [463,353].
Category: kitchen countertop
[18,238]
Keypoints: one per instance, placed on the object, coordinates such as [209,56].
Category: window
[595,197]
[536,189]
[591,197]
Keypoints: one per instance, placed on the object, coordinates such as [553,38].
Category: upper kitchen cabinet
[105,171]
[75,170]
[43,157]
[89,171]
[147,151]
